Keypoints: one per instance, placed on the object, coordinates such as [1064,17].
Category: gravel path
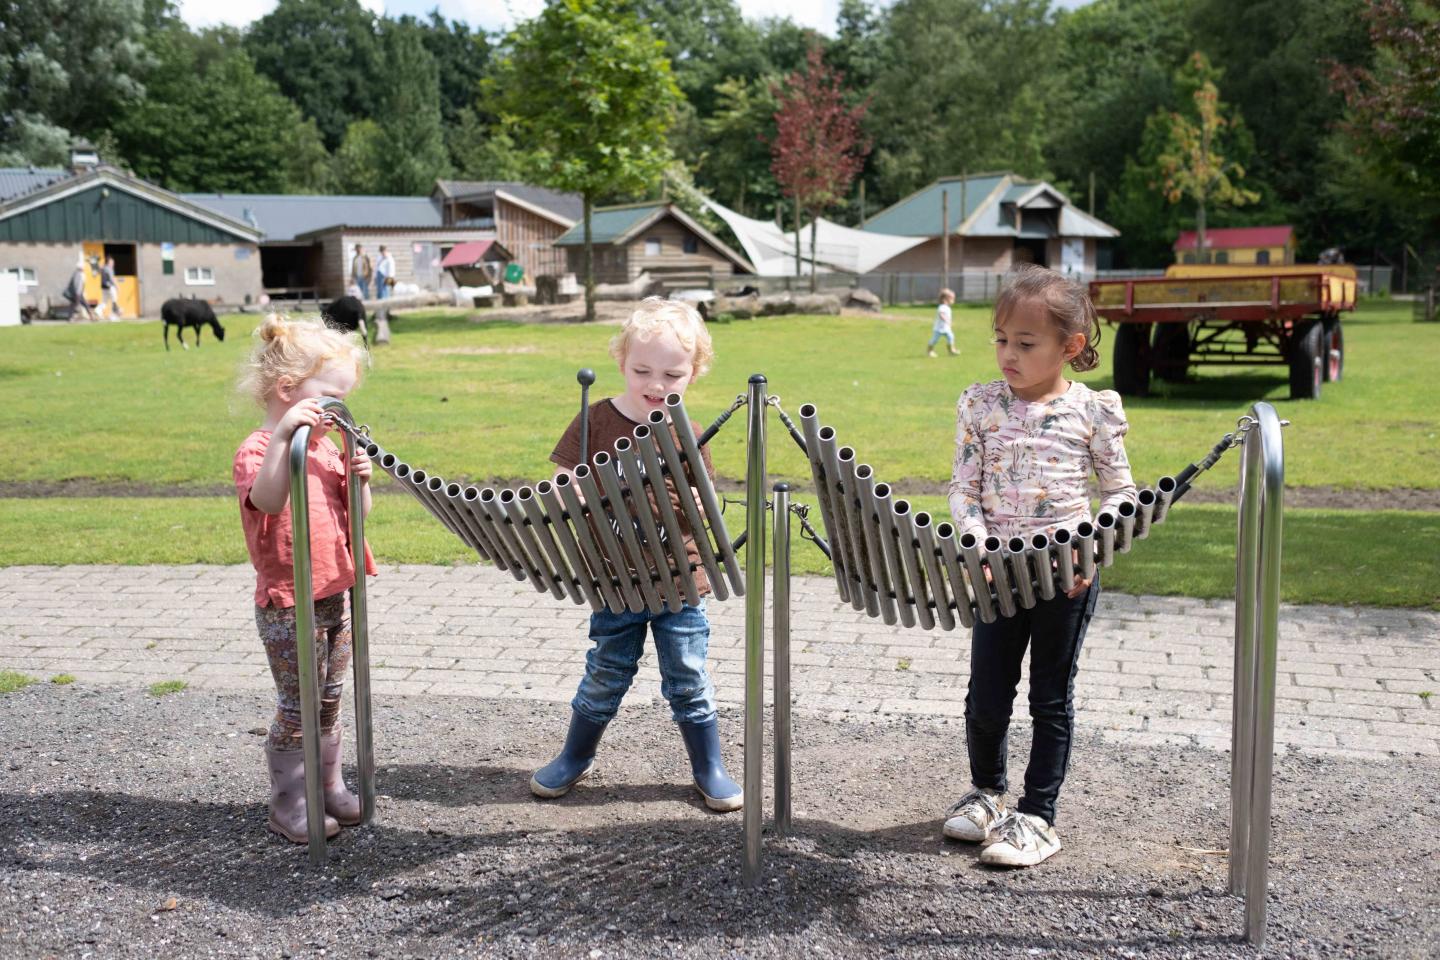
[134,827]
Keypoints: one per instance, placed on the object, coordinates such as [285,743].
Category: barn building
[655,238]
[1239,245]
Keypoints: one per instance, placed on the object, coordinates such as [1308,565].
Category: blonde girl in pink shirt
[1025,448]
[293,365]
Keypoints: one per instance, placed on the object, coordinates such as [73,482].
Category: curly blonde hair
[657,313]
[295,350]
[1066,303]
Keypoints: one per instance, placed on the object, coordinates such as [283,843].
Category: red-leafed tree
[819,146]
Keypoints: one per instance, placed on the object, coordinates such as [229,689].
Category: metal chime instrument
[608,536]
[902,566]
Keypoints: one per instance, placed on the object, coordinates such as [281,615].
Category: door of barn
[426,265]
[127,281]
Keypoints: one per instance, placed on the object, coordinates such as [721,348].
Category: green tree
[588,87]
[412,142]
[1191,165]
[735,167]
[461,56]
[58,83]
[359,164]
[481,150]
[325,56]
[210,122]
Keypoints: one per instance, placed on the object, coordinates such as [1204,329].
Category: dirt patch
[134,827]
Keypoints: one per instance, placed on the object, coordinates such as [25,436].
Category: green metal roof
[609,223]
[918,215]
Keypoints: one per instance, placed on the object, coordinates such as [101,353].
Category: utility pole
[944,236]
[964,181]
[862,201]
[1091,209]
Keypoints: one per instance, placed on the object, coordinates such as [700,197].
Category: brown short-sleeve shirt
[608,424]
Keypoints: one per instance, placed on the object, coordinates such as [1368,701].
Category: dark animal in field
[347,314]
[181,313]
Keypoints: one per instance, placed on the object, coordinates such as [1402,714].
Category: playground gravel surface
[133,826]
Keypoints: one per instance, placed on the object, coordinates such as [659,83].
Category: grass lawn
[477,401]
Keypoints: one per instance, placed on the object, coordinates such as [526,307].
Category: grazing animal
[348,314]
[181,313]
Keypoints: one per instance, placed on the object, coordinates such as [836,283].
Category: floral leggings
[332,659]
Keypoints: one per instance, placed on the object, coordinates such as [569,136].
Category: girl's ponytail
[295,350]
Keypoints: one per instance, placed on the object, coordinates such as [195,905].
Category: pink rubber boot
[340,803]
[287,796]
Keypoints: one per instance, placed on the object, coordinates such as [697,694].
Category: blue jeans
[936,335]
[364,286]
[1053,630]
[681,643]
[382,288]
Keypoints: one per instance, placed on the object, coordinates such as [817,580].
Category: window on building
[200,276]
[690,245]
[1222,256]
[1189,258]
[652,246]
[1262,256]
[26,275]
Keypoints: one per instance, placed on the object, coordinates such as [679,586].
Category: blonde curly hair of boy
[296,350]
[1066,302]
[656,314]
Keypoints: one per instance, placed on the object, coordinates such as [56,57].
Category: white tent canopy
[837,248]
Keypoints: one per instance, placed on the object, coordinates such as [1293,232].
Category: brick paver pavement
[1154,669]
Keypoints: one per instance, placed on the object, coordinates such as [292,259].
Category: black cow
[181,313]
[348,314]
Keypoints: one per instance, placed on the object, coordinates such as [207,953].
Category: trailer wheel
[1170,353]
[1132,359]
[1307,361]
[1334,346]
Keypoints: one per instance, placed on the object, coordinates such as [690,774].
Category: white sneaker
[973,816]
[1021,840]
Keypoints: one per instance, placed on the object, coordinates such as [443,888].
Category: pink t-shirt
[270,540]
[1023,468]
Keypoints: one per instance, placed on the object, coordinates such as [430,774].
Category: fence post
[780,573]
[754,629]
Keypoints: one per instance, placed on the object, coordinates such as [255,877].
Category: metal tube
[780,612]
[469,505]
[843,471]
[809,420]
[540,528]
[584,581]
[995,561]
[1064,550]
[1145,513]
[874,553]
[674,465]
[621,510]
[604,526]
[645,507]
[553,579]
[1164,493]
[305,643]
[1039,557]
[890,547]
[454,495]
[1085,549]
[605,578]
[955,573]
[1020,571]
[930,562]
[842,536]
[706,487]
[502,529]
[979,584]
[669,522]
[754,610]
[359,620]
[416,480]
[904,526]
[1105,534]
[435,490]
[1125,530]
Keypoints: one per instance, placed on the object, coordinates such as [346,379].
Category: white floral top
[1023,468]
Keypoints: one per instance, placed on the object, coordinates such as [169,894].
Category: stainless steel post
[754,591]
[780,575]
[1257,615]
[305,644]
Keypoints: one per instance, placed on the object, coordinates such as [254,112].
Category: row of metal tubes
[703,486]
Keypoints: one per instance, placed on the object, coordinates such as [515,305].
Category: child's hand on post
[1081,585]
[305,413]
[360,466]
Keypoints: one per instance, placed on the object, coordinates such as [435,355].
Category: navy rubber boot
[576,760]
[702,741]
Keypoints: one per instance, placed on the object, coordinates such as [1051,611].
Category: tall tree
[325,55]
[1192,165]
[254,140]
[818,147]
[588,87]
[66,67]
[461,56]
[412,141]
[735,166]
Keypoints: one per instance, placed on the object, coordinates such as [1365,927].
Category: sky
[503,14]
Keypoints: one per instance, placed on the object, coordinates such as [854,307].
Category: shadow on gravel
[457,786]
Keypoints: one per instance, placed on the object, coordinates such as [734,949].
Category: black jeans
[1054,630]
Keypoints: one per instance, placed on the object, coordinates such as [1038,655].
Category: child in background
[293,365]
[942,325]
[1025,447]
[661,349]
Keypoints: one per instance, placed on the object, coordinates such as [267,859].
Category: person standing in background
[384,274]
[361,270]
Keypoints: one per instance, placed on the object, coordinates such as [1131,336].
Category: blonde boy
[942,324]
